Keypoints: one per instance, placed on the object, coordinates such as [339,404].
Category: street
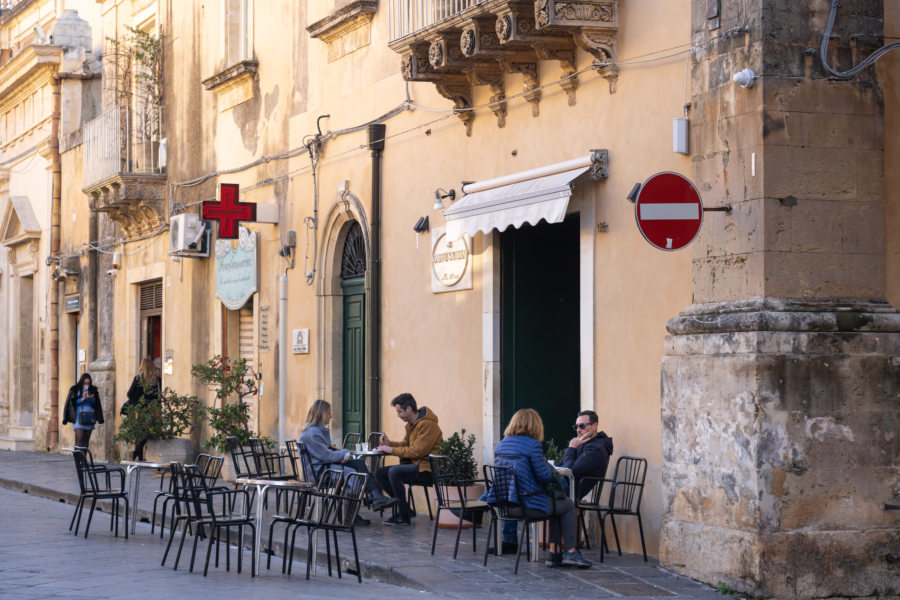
[40,558]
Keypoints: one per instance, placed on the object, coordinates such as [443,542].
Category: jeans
[392,480]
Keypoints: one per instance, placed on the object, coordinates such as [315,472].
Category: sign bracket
[717,209]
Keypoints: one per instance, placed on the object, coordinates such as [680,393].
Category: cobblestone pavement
[390,555]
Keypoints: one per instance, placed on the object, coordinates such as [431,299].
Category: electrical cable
[826,38]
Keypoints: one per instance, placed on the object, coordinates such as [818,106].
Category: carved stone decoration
[11,256]
[415,66]
[136,202]
[467,42]
[498,104]
[504,27]
[436,54]
[601,45]
[529,71]
[609,72]
[577,13]
[599,164]
[458,89]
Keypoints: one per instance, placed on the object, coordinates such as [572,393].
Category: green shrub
[461,449]
[552,451]
[167,417]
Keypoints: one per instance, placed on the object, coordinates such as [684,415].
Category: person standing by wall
[83,409]
[144,388]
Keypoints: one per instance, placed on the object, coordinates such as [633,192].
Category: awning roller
[526,197]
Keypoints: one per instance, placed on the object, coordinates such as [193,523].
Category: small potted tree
[461,450]
[232,380]
[162,421]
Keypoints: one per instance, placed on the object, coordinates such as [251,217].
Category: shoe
[359,521]
[397,519]
[509,548]
[555,560]
[574,559]
[383,502]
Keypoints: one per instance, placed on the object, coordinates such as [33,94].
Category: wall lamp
[439,195]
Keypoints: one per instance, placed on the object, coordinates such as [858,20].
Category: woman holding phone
[83,409]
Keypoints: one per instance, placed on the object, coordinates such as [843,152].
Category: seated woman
[521,451]
[316,436]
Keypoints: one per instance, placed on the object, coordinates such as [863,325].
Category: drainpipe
[376,145]
[282,359]
[55,212]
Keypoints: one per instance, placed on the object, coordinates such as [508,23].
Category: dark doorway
[353,270]
[151,307]
[540,363]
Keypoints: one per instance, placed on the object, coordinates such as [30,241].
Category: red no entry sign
[668,211]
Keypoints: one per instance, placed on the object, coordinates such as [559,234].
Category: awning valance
[526,197]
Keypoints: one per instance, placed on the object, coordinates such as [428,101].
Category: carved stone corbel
[529,71]
[456,87]
[566,58]
[444,52]
[489,73]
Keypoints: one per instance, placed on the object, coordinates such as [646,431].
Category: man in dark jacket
[588,452]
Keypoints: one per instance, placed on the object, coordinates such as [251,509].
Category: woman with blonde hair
[521,451]
[144,388]
[316,437]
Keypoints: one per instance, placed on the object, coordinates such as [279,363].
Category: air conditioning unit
[189,236]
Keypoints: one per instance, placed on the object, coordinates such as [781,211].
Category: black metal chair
[90,486]
[350,441]
[293,455]
[241,458]
[269,465]
[166,492]
[329,482]
[509,505]
[625,492]
[450,490]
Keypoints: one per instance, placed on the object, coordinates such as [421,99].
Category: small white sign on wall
[300,339]
[451,262]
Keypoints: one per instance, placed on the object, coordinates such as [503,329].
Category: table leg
[260,494]
[133,495]
[315,538]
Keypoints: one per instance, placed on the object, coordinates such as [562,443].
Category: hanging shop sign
[451,262]
[237,269]
[73,303]
[668,211]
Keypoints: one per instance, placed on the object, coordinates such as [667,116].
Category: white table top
[144,464]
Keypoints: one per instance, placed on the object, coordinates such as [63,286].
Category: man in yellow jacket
[423,437]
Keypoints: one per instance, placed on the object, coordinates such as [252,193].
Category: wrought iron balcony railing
[124,139]
[407,17]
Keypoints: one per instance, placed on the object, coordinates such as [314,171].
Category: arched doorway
[353,275]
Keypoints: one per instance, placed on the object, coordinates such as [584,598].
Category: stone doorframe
[343,212]
[583,203]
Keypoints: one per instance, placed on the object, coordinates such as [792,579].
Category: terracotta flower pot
[450,521]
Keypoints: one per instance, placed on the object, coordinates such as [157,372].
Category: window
[238,36]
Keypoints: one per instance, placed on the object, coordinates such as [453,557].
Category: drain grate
[636,589]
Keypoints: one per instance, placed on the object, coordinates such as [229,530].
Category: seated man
[588,452]
[423,437]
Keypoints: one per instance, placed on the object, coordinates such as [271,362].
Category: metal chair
[330,482]
[90,487]
[350,441]
[269,465]
[509,505]
[241,458]
[626,490]
[450,490]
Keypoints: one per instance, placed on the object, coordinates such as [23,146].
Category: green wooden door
[354,395]
[540,361]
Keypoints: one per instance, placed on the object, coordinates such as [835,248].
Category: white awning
[526,197]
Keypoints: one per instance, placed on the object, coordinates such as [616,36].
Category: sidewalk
[402,555]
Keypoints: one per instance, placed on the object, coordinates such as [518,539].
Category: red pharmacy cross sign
[228,210]
[669,211]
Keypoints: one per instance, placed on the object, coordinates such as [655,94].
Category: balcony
[122,172]
[458,44]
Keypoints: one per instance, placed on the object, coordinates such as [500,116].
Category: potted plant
[162,421]
[461,450]
[232,380]
[552,452]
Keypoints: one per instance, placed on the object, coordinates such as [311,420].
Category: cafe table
[534,554]
[262,486]
[136,465]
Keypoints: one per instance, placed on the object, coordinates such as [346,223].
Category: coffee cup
[359,447]
[365,447]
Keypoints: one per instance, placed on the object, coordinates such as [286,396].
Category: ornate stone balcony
[458,44]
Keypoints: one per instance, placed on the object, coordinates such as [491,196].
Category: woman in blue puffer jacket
[521,451]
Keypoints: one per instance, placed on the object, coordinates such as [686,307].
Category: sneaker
[397,519]
[555,560]
[383,502]
[359,521]
[574,559]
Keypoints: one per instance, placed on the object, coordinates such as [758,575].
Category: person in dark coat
[521,451]
[588,452]
[144,388]
[83,409]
